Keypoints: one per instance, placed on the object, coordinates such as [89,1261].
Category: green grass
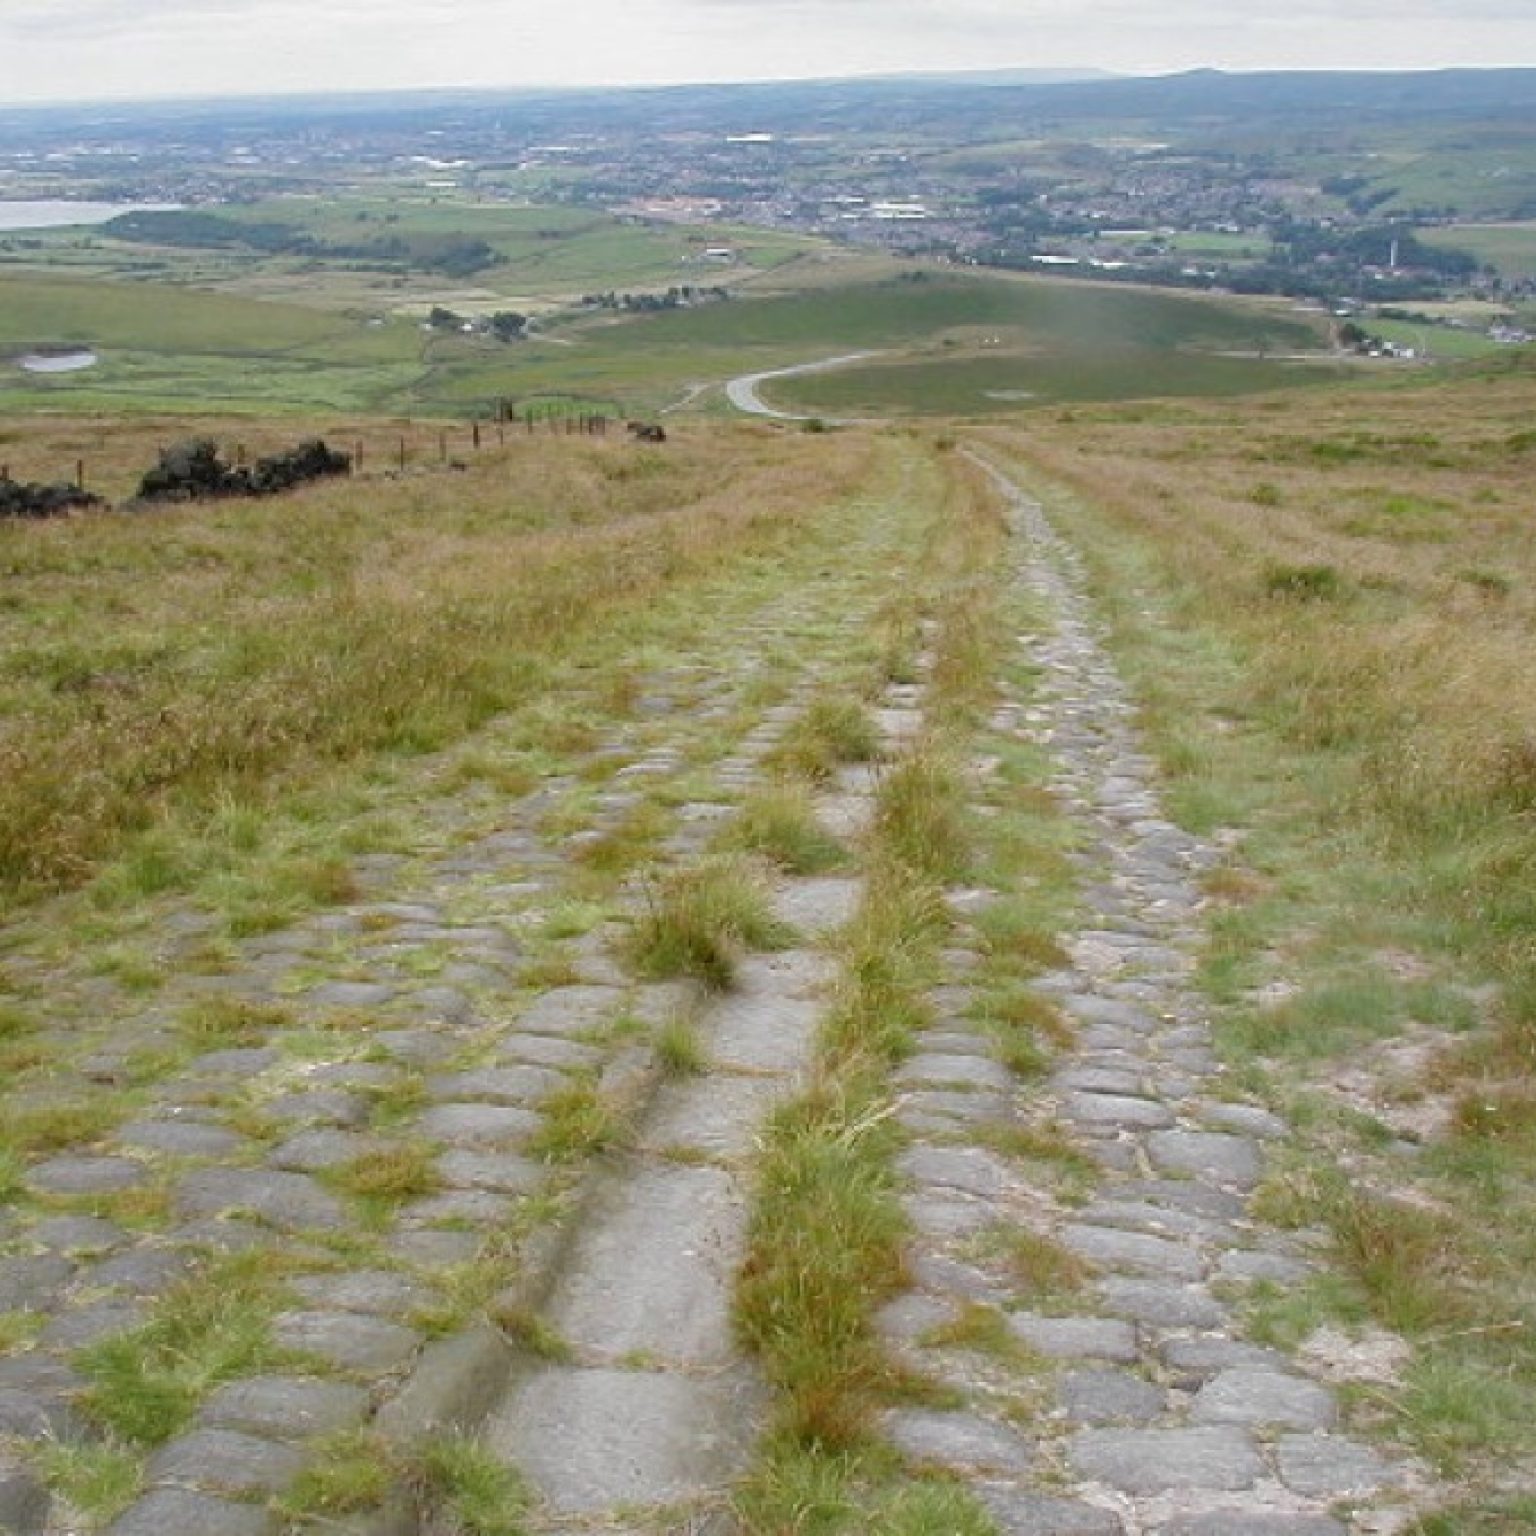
[145,1386]
[1511,248]
[833,731]
[1000,385]
[779,822]
[698,921]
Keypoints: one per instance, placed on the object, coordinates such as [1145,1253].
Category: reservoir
[71,361]
[55,213]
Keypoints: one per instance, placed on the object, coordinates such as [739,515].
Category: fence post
[442,447]
[474,433]
[402,455]
[80,474]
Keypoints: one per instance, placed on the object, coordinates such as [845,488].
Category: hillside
[954,978]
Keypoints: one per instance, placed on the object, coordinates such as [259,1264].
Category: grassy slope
[1327,602]
[165,347]
[158,664]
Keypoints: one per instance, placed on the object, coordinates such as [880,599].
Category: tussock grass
[921,816]
[779,822]
[832,732]
[698,920]
[679,1048]
[386,1178]
[579,1120]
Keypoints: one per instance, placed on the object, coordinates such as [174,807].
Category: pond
[72,360]
[55,213]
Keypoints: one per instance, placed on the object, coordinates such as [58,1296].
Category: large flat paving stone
[289,1201]
[1110,1397]
[594,1441]
[1330,1467]
[498,1085]
[1140,1252]
[970,1170]
[381,1292]
[1115,1111]
[24,1501]
[1215,1155]
[935,1069]
[349,1340]
[285,1407]
[478,1125]
[654,1267]
[768,1024]
[720,1115]
[548,1051]
[961,1441]
[1147,1461]
[1249,1395]
[568,1011]
[1077,1338]
[226,1461]
[1162,1303]
[1018,1513]
[180,1138]
[816,906]
[32,1284]
[85,1175]
[181,1512]
[503,1173]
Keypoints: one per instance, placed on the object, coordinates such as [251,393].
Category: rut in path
[1148,1413]
[654,1418]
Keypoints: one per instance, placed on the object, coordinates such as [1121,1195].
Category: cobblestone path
[367,1105]
[1146,1412]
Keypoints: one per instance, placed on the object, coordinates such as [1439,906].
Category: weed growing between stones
[578,1121]
[832,732]
[778,822]
[697,921]
[146,1385]
[95,1480]
[463,1488]
[679,1050]
[826,1241]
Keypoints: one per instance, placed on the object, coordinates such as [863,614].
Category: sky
[62,50]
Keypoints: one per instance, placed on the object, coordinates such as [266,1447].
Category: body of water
[58,362]
[57,214]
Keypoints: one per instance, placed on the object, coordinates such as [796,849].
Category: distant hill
[879,102]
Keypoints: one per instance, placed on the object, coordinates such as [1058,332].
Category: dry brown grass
[160,660]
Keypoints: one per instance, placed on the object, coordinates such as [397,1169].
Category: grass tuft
[700,919]
[779,822]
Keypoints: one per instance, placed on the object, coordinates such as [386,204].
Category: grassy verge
[826,1246]
[1326,607]
[187,663]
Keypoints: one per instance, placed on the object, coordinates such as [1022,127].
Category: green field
[542,255]
[1509,248]
[1436,342]
[975,386]
[952,339]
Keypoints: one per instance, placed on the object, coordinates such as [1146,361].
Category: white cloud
[79,48]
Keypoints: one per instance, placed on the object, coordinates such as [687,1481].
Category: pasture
[957,342]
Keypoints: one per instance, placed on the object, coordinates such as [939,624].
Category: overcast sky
[82,49]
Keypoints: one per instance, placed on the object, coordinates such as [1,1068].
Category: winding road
[742,391]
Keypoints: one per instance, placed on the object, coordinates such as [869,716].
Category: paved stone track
[429,1001]
[1158,1418]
